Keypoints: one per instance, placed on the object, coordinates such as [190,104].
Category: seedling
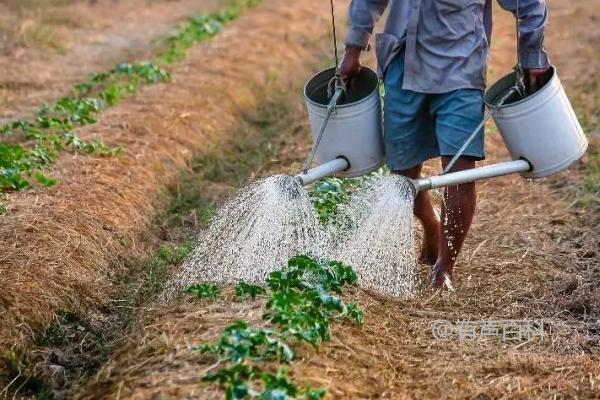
[240,343]
[52,129]
[329,193]
[204,290]
[247,290]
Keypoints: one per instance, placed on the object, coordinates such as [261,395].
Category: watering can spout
[327,169]
[471,175]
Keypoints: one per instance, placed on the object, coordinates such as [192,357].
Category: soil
[532,253]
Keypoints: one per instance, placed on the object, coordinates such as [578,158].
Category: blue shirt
[446,41]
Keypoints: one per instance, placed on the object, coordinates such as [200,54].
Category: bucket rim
[320,105]
[510,77]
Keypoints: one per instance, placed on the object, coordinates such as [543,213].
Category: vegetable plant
[200,28]
[204,290]
[244,289]
[328,194]
[302,301]
[52,130]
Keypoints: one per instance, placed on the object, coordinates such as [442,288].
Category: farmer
[433,56]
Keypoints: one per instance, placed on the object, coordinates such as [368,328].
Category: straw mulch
[530,256]
[513,268]
[68,247]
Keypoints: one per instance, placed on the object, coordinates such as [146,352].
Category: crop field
[126,124]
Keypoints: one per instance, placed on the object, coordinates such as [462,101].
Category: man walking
[433,59]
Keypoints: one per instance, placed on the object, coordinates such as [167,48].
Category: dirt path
[47,47]
[521,262]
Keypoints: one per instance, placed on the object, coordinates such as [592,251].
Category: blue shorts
[421,126]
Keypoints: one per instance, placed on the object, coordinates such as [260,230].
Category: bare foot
[441,276]
[430,249]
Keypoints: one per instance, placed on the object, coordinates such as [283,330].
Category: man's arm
[363,15]
[534,18]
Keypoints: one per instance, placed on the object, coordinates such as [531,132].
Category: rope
[335,49]
[335,90]
[520,84]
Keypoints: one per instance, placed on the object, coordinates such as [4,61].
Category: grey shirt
[446,42]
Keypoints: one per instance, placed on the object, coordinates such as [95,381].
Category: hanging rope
[335,49]
[520,84]
[335,91]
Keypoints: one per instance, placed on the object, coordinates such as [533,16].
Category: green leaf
[244,289]
[45,180]
[278,386]
[204,290]
[355,313]
[314,394]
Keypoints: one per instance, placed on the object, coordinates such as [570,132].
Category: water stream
[273,219]
[374,233]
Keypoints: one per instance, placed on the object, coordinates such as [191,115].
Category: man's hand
[350,66]
[536,78]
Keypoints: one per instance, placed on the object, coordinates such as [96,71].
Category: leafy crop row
[28,148]
[200,28]
[301,301]
[52,131]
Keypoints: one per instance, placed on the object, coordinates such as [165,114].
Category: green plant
[245,289]
[300,302]
[279,386]
[328,194]
[204,290]
[240,342]
[52,130]
[300,308]
[200,28]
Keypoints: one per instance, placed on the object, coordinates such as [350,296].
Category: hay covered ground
[68,246]
[532,254]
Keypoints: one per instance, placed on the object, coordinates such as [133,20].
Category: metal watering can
[541,131]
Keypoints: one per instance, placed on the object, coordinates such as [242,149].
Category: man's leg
[457,214]
[457,114]
[429,218]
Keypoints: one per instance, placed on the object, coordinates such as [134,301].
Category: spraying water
[254,233]
[374,234]
[273,219]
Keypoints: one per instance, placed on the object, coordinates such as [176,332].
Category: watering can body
[354,131]
[541,128]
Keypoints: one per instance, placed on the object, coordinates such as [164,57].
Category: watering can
[541,131]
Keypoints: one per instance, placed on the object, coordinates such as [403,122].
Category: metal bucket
[354,131]
[541,128]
